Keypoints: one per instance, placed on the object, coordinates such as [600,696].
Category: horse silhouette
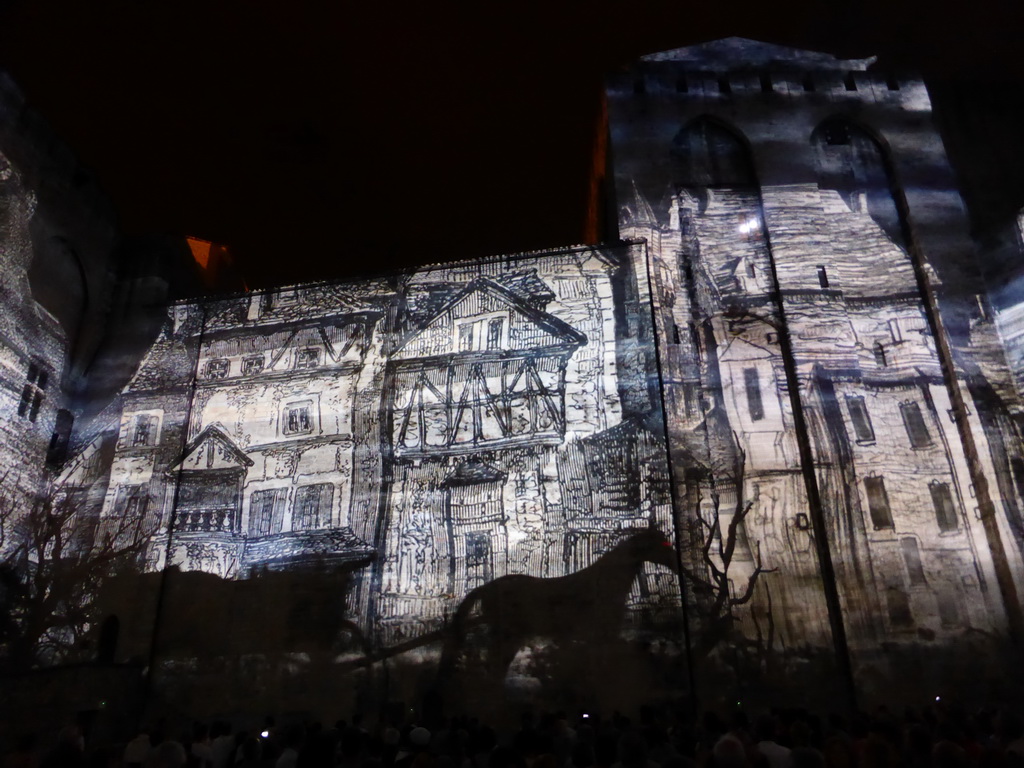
[587,607]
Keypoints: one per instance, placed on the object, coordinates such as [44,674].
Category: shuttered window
[266,511]
[753,387]
[861,420]
[312,506]
[878,503]
[945,511]
[917,430]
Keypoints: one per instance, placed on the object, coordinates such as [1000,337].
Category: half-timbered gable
[487,370]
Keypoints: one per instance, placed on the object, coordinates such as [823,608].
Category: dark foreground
[939,735]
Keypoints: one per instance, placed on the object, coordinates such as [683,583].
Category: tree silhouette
[712,576]
[51,574]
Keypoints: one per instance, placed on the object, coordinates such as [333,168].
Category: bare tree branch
[58,575]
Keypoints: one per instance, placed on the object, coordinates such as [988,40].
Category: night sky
[326,139]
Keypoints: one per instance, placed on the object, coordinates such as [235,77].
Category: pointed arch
[853,161]
[709,153]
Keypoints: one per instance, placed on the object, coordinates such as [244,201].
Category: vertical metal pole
[673,485]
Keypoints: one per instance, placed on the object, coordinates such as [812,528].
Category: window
[307,358]
[131,501]
[495,332]
[465,338]
[753,387]
[481,333]
[899,607]
[277,299]
[217,368]
[724,87]
[880,358]
[1017,468]
[849,82]
[878,503]
[917,430]
[912,557]
[945,512]
[861,421]
[144,431]
[266,511]
[312,506]
[58,450]
[822,277]
[32,393]
[298,418]
[766,83]
[252,365]
[478,559]
[949,609]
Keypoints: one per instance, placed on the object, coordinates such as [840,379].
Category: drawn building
[804,270]
[784,358]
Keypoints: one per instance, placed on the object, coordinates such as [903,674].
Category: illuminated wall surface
[765,446]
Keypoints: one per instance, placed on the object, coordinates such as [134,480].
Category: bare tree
[712,577]
[51,575]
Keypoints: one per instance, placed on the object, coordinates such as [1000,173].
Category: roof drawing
[214,434]
[743,53]
[551,324]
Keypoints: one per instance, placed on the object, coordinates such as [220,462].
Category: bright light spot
[938,698]
[585,714]
[516,535]
[749,225]
[265,734]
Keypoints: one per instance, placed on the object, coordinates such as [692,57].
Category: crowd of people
[938,736]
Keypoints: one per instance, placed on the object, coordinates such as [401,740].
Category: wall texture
[763,448]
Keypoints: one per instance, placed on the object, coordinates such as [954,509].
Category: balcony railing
[217,519]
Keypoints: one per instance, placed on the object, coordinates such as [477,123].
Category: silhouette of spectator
[765,735]
[251,753]
[729,752]
[170,754]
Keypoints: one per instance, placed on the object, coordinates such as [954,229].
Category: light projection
[823,358]
[402,444]
[764,448]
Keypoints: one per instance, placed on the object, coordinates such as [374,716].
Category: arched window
[708,154]
[854,164]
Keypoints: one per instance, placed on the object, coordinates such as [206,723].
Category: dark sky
[324,139]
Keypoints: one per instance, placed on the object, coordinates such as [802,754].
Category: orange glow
[200,251]
[598,168]
[216,267]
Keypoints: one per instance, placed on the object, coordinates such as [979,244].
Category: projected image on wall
[762,447]
[400,470]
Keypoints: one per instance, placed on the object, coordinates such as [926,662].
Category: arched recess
[708,153]
[58,282]
[854,163]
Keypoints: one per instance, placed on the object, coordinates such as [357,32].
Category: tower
[827,361]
